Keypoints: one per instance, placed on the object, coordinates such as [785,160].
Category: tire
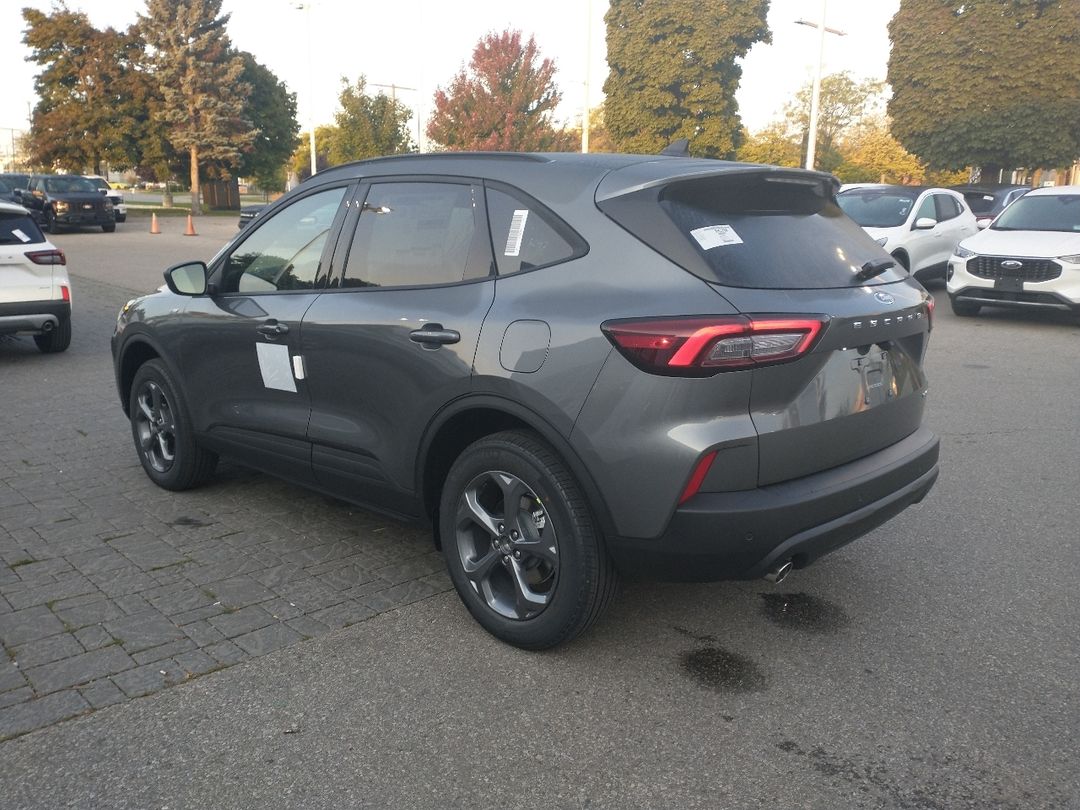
[535,574]
[902,260]
[121,218]
[965,309]
[161,428]
[56,340]
[109,228]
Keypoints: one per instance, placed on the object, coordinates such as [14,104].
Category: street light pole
[815,96]
[588,60]
[306,8]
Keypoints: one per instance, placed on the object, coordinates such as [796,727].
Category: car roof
[549,173]
[12,208]
[1045,191]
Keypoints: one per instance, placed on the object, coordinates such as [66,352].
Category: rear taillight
[65,293]
[697,477]
[697,346]
[930,304]
[47,256]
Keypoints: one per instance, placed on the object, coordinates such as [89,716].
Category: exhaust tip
[779,573]
[47,327]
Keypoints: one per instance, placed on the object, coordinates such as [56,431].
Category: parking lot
[243,644]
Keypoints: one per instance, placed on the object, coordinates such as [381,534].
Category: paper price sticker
[712,236]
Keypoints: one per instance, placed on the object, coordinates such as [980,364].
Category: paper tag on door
[715,236]
[276,367]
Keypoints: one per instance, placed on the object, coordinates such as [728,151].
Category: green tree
[842,102]
[88,112]
[1000,87]
[872,155]
[774,145]
[301,158]
[674,72]
[503,100]
[367,126]
[271,108]
[199,78]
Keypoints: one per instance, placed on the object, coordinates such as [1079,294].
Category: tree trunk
[196,207]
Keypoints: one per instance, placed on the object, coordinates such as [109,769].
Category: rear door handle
[434,335]
[272,329]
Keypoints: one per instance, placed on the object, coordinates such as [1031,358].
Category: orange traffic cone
[154,227]
[190,227]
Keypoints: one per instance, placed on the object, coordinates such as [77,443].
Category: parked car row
[58,201]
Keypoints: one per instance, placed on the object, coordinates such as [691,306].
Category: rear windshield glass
[18,229]
[979,203]
[877,208]
[759,231]
[1041,212]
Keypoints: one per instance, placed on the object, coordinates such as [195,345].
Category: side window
[927,209]
[523,236]
[284,251]
[947,207]
[416,235]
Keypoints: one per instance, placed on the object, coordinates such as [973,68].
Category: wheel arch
[471,418]
[902,256]
[136,351]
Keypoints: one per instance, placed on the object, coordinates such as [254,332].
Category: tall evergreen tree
[503,100]
[201,84]
[673,72]
[367,126]
[999,88]
[89,91]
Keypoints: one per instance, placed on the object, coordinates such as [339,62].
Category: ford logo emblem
[1011,264]
[884,298]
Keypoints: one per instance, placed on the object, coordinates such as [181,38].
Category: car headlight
[882,241]
[963,253]
[1074,259]
[61,207]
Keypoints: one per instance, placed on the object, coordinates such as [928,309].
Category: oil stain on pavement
[723,670]
[801,611]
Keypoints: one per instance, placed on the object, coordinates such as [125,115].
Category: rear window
[18,229]
[978,202]
[753,230]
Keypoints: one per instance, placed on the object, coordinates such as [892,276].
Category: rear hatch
[21,242]
[774,243]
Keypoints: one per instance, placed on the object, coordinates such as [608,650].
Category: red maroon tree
[502,101]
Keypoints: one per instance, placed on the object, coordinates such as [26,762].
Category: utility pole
[815,97]
[588,59]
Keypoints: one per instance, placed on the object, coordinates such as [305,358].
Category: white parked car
[1028,258]
[119,208]
[920,227]
[35,291]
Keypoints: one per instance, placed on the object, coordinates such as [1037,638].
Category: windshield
[877,208]
[1041,212]
[69,185]
[98,182]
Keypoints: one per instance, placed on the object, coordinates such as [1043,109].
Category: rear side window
[978,202]
[417,235]
[18,229]
[947,207]
[752,230]
[524,235]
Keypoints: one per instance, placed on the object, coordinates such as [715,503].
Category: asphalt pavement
[931,664]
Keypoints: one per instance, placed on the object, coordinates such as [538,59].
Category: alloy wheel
[155,427]
[507,545]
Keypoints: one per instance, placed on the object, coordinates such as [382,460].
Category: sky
[423,43]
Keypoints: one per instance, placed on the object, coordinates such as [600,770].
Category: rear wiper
[874,267]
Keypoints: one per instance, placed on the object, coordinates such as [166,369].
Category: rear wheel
[162,431]
[520,543]
[57,339]
[109,228]
[965,309]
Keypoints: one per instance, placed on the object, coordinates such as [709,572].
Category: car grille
[990,267]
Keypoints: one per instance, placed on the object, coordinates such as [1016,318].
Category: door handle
[272,329]
[434,335]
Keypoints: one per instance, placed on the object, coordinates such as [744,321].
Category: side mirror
[924,224]
[103,192]
[983,222]
[187,279]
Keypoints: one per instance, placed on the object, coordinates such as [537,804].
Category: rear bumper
[742,535]
[32,317]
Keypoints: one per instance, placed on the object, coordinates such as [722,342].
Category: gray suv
[571,366]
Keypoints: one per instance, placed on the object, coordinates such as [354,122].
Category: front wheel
[521,546]
[162,431]
[109,228]
[964,309]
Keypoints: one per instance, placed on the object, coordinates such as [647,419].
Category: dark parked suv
[571,365]
[68,201]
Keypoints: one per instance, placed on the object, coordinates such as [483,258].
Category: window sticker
[276,367]
[22,237]
[517,232]
[715,236]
